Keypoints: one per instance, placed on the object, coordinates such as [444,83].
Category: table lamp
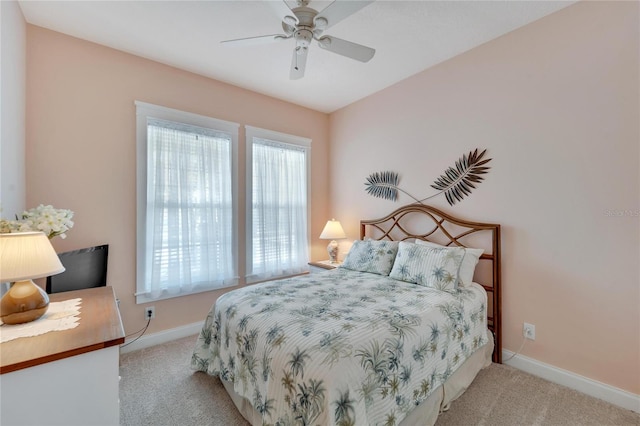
[332,231]
[24,256]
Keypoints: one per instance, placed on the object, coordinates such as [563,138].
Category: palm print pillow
[371,256]
[468,265]
[428,266]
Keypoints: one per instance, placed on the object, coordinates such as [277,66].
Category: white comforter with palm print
[339,347]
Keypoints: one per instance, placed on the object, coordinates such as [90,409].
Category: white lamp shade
[332,231]
[27,255]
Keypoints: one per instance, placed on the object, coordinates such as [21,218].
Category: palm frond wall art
[456,182]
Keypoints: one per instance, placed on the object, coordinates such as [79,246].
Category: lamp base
[24,302]
[332,249]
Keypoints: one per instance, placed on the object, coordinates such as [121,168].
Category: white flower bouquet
[53,222]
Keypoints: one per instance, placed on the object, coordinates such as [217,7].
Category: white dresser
[68,377]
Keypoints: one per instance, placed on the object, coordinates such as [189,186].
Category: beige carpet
[158,388]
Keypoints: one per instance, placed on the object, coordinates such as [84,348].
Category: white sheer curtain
[279,210]
[189,221]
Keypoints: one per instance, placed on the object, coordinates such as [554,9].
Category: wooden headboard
[427,223]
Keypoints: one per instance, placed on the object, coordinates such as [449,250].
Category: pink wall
[81,146]
[556,105]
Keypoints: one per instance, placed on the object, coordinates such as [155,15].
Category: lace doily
[60,316]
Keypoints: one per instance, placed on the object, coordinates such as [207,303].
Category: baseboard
[574,381]
[162,337]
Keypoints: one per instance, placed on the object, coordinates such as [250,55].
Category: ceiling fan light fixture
[321,23]
[324,41]
[305,24]
[303,37]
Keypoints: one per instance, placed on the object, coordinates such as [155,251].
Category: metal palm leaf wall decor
[383,185]
[456,182]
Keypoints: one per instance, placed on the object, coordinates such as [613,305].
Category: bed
[391,337]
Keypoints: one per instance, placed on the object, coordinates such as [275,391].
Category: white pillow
[435,267]
[469,262]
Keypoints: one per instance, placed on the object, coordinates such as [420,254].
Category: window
[186,203]
[278,204]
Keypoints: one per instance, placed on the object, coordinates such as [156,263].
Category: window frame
[143,112]
[283,139]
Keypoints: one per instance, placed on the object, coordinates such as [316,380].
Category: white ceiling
[409,36]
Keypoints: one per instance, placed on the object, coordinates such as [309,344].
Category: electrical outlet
[529,331]
[149,312]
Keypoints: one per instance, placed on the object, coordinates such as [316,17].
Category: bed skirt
[424,414]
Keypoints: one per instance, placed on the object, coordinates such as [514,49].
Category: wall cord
[524,340]
[141,330]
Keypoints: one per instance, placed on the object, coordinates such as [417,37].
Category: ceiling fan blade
[338,10]
[252,41]
[346,48]
[284,12]
[298,63]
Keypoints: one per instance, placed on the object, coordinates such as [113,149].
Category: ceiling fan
[304,24]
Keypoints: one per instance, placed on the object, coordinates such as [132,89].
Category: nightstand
[325,264]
